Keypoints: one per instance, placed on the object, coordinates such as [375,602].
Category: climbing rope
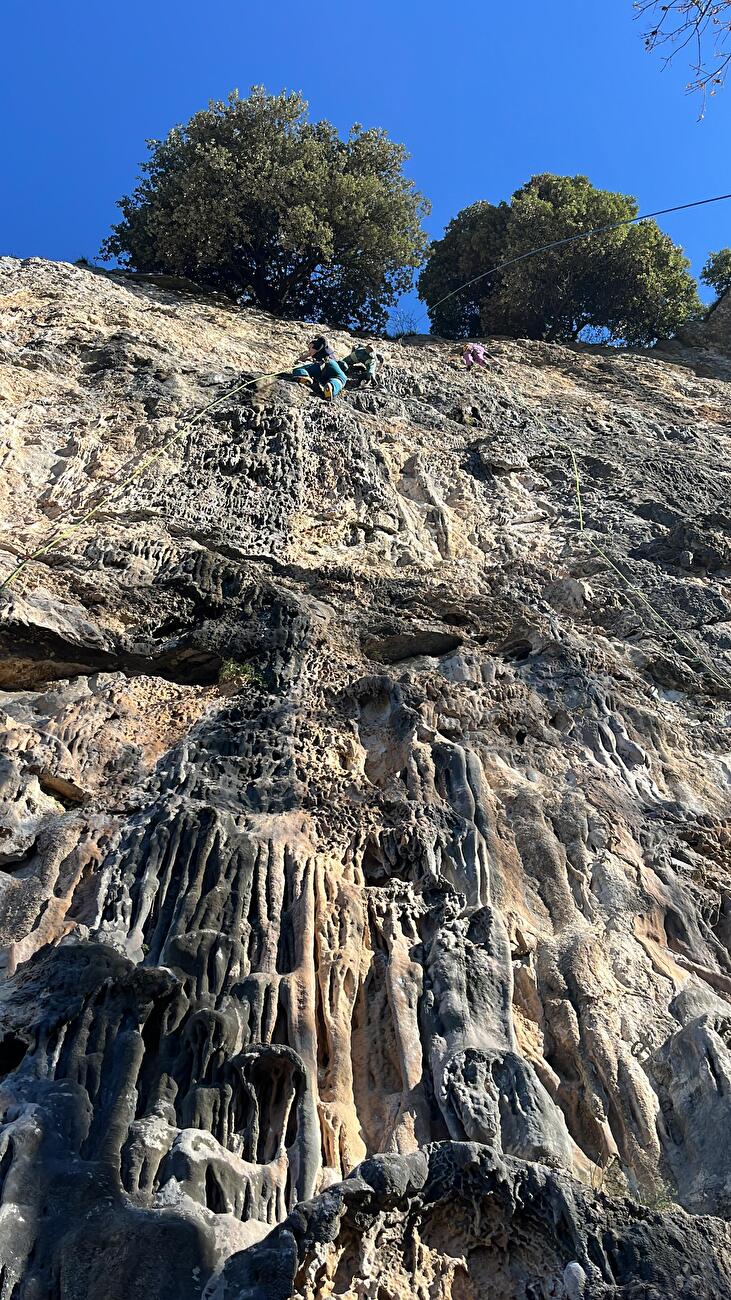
[639,595]
[571,239]
[543,248]
[125,482]
[561,243]
[192,420]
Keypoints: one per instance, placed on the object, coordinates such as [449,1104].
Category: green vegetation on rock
[630,283]
[717,271]
[253,199]
[233,673]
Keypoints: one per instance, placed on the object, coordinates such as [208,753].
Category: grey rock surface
[477,1226]
[714,331]
[365,840]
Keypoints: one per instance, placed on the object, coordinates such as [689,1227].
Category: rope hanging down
[639,595]
[192,420]
[139,469]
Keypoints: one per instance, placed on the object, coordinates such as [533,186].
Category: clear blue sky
[483,95]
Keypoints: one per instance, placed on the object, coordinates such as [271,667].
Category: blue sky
[483,95]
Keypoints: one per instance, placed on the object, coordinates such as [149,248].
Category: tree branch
[679,23]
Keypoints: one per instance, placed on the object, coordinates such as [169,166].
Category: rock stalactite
[400,965]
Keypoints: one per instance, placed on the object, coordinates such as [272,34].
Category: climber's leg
[306,374]
[333,380]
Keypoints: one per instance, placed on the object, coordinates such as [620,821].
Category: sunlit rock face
[712,333]
[358,822]
[718,324]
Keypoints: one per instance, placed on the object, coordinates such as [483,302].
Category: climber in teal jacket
[321,369]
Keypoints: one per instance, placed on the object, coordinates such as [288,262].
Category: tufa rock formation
[365,841]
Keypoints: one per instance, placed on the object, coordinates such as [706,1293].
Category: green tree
[631,283]
[717,271]
[252,198]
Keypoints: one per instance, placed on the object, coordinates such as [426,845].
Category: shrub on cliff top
[631,283]
[717,271]
[253,199]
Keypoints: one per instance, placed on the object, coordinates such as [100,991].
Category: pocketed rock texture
[365,843]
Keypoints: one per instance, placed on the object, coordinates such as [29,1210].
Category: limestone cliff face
[432,887]
[713,332]
[718,324]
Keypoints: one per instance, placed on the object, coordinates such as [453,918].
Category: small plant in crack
[659,1199]
[234,675]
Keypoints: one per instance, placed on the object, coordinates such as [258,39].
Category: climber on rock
[321,370]
[473,354]
[361,364]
